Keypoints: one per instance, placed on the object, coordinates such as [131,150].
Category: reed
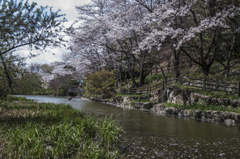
[46,130]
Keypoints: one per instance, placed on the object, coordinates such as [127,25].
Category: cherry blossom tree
[125,35]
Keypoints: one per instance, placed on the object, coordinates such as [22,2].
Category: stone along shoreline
[159,104]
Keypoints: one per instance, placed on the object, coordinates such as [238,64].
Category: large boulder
[187,113]
[159,96]
[207,114]
[234,102]
[178,111]
[137,105]
[197,114]
[227,115]
[125,101]
[147,105]
[158,108]
[223,101]
[179,99]
[230,122]
[169,111]
[237,117]
[216,116]
[177,96]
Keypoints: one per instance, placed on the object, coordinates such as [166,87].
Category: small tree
[101,81]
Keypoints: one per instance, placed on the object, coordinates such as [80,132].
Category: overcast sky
[67,7]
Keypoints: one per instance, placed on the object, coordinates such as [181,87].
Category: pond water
[158,136]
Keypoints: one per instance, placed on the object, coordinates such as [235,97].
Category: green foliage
[62,90]
[155,77]
[28,83]
[46,130]
[101,81]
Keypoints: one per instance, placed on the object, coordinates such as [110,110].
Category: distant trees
[99,82]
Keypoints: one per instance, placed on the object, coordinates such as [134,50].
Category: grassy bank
[32,130]
[203,107]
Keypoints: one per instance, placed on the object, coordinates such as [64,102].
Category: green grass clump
[46,130]
[203,107]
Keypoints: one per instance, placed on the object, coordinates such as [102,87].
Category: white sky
[67,7]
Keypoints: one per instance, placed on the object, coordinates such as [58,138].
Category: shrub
[62,90]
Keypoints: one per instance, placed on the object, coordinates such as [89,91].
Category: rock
[137,105]
[170,98]
[178,100]
[223,101]
[187,113]
[216,116]
[230,122]
[188,102]
[208,114]
[69,98]
[155,99]
[169,111]
[158,108]
[176,111]
[237,117]
[234,102]
[147,105]
[181,113]
[92,98]
[177,96]
[201,100]
[214,101]
[197,114]
[140,105]
[226,115]
[125,101]
[193,97]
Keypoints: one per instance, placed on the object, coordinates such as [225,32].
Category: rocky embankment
[175,95]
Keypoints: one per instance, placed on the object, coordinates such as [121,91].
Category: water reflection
[158,136]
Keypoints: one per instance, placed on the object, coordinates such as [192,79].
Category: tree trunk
[132,78]
[141,80]
[7,74]
[176,62]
